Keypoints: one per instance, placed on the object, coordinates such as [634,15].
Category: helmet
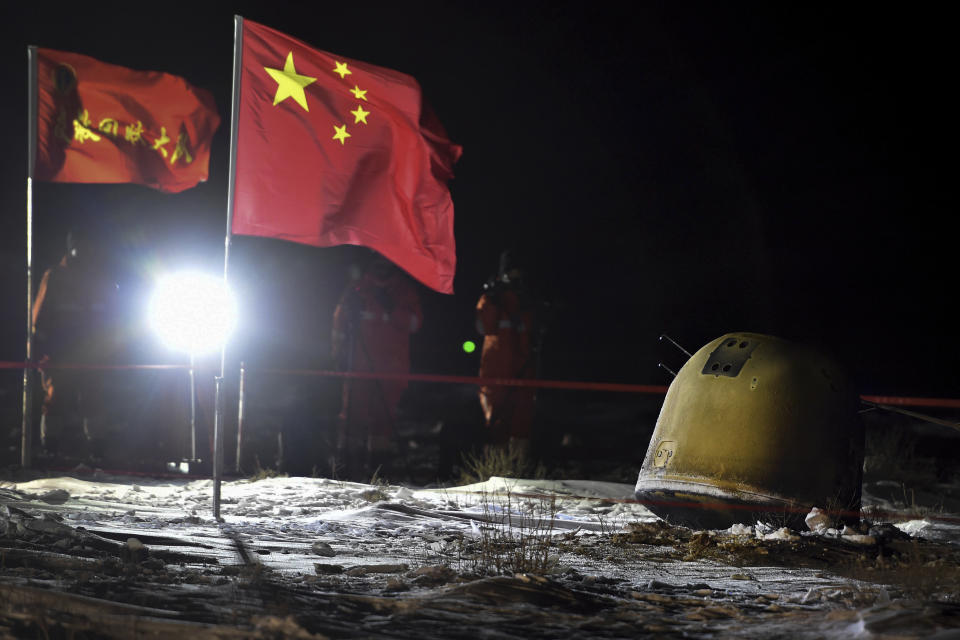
[509,267]
[75,241]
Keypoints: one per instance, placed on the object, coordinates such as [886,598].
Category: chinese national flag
[335,151]
[99,122]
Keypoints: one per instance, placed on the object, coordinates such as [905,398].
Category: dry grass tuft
[260,473]
[516,537]
[504,462]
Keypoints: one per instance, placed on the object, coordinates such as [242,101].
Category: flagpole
[26,425]
[218,421]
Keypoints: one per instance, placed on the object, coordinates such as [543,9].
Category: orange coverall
[372,325]
[74,319]
[506,325]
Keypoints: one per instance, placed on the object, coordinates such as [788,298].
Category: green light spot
[469,346]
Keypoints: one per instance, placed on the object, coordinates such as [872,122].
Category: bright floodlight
[193,312]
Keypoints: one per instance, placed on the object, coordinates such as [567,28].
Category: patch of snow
[817,520]
[783,533]
[913,527]
[858,628]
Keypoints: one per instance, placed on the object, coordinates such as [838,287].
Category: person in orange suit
[75,323]
[506,316]
[372,325]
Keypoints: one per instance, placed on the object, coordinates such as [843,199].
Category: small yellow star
[289,83]
[342,69]
[361,94]
[360,115]
[341,133]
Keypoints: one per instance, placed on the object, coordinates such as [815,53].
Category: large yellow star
[289,83]
[341,133]
[360,93]
[342,69]
[360,115]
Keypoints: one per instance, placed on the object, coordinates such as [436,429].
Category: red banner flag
[335,151]
[99,122]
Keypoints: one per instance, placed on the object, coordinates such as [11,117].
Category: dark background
[682,168]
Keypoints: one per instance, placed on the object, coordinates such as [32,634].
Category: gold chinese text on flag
[336,151]
[99,122]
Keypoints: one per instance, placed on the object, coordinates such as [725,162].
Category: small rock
[656,585]
[55,496]
[886,532]
[44,525]
[365,569]
[433,575]
[133,551]
[327,569]
[323,549]
[395,584]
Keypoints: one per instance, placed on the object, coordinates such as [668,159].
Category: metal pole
[242,393]
[217,445]
[193,408]
[231,179]
[26,424]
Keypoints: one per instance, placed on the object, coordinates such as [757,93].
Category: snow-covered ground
[336,535]
[286,516]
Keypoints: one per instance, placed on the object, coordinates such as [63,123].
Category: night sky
[681,168]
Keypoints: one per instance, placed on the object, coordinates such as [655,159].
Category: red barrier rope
[949,403]
[91,367]
[492,382]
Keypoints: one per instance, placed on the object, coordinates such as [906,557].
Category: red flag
[99,122]
[335,151]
